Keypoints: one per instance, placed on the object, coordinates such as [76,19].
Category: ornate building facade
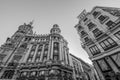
[28,56]
[82,70]
[99,32]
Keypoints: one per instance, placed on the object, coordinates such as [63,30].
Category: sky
[45,14]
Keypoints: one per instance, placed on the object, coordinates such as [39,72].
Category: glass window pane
[106,43]
[103,65]
[103,45]
[116,58]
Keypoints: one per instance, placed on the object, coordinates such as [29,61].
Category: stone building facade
[29,56]
[99,32]
[82,70]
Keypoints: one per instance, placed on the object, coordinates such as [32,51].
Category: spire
[30,23]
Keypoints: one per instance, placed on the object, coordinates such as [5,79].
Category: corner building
[99,32]
[83,70]
[28,56]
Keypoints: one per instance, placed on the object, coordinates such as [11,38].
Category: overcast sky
[45,13]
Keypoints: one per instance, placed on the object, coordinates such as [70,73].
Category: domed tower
[55,29]
[22,31]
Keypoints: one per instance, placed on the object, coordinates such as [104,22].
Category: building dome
[55,29]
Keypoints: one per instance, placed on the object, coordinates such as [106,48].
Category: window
[80,27]
[94,50]
[108,44]
[95,14]
[40,47]
[85,19]
[117,34]
[97,32]
[2,56]
[29,60]
[110,24]
[103,19]
[83,33]
[8,74]
[44,58]
[24,46]
[91,25]
[86,39]
[55,58]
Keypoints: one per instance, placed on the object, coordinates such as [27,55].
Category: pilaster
[27,54]
[52,50]
[33,60]
[49,49]
[98,70]
[42,53]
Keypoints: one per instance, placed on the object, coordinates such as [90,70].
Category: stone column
[60,51]
[98,70]
[49,49]
[36,50]
[41,57]
[66,56]
[52,50]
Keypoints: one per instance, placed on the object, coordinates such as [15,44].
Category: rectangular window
[83,33]
[108,44]
[86,39]
[110,24]
[85,19]
[117,34]
[95,14]
[103,19]
[94,50]
[91,25]
[97,32]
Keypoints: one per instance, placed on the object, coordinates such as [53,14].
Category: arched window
[8,74]
[23,46]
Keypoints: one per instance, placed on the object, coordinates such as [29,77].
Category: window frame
[95,16]
[94,50]
[108,44]
[103,21]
